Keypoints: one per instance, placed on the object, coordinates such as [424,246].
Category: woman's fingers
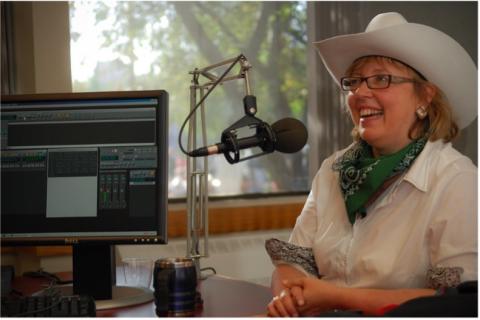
[288,302]
[276,308]
[297,294]
[296,286]
[272,311]
[282,305]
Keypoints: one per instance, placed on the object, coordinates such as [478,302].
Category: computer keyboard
[49,306]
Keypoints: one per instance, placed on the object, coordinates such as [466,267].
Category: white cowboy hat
[437,56]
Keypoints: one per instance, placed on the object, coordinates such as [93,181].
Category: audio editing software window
[80,167]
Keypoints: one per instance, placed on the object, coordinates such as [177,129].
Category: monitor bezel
[162,177]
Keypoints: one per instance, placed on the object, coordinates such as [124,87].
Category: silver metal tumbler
[175,285]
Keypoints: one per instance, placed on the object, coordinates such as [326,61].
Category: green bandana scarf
[361,175]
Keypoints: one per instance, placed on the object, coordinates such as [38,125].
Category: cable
[209,268]
[205,276]
[40,273]
[202,100]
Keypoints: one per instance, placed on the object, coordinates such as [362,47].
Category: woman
[393,216]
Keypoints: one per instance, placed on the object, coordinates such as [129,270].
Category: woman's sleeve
[298,251]
[301,258]
[305,228]
[453,233]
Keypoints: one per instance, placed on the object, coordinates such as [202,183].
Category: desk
[222,297]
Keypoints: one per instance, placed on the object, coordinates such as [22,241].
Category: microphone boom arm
[197,173]
[214,80]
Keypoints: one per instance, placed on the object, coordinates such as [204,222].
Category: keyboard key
[48,306]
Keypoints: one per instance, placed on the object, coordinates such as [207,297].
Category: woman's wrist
[370,300]
[339,296]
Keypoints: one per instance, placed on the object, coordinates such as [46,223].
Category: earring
[421,112]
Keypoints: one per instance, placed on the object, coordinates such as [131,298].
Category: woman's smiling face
[383,117]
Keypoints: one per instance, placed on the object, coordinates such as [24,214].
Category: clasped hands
[303,296]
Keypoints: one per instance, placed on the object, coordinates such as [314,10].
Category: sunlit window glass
[149,45]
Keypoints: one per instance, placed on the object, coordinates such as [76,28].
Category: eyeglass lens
[373,82]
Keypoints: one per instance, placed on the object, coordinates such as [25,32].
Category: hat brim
[434,54]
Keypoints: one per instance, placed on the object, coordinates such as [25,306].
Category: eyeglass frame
[391,79]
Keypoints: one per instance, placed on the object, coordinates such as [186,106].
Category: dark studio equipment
[287,135]
[87,170]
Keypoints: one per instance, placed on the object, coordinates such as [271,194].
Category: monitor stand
[94,274]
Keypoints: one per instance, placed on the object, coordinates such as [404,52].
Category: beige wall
[42,47]
[41,34]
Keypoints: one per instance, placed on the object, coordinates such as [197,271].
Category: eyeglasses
[377,81]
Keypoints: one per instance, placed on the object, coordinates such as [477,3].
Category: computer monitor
[87,170]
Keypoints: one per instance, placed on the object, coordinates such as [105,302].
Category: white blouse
[426,219]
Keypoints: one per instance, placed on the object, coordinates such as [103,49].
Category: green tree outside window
[153,45]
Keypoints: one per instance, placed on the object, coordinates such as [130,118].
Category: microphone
[287,135]
[291,135]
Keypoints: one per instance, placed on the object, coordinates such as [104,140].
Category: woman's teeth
[370,112]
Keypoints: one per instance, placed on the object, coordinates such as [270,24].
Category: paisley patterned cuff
[444,277]
[283,251]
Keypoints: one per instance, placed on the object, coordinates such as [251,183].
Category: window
[153,45]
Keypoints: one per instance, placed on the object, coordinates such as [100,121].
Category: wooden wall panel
[222,220]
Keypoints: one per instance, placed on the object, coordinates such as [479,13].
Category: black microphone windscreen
[291,135]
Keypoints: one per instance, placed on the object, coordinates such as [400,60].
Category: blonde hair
[439,123]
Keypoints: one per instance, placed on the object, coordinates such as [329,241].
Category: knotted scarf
[361,175]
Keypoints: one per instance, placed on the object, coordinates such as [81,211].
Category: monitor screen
[84,169]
